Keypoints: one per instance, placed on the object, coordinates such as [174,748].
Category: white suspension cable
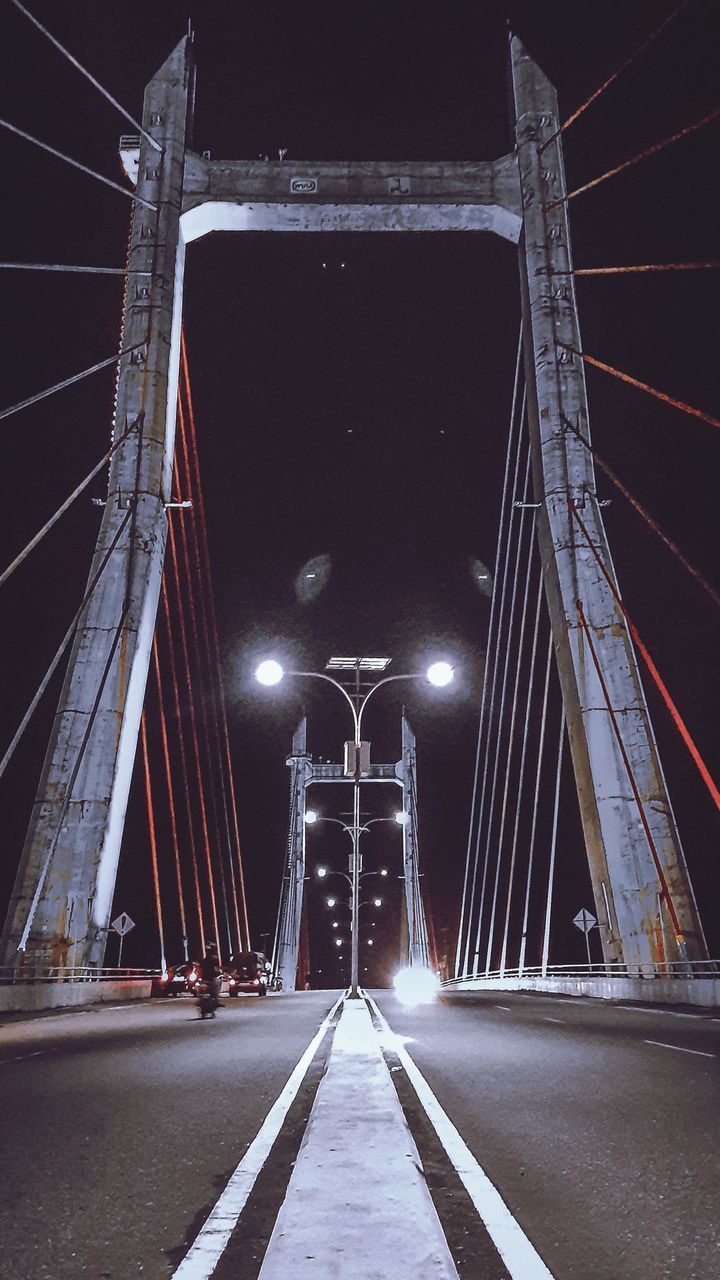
[483,700]
[67,266]
[521,775]
[533,830]
[511,731]
[501,711]
[76,164]
[553,847]
[63,646]
[33,543]
[88,76]
[67,382]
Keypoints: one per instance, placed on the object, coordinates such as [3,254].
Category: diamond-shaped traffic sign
[123,924]
[584,921]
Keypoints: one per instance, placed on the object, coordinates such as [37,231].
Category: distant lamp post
[440,673]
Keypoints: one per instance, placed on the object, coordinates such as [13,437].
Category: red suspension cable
[649,520]
[195,588]
[197,484]
[615,75]
[665,891]
[153,841]
[179,596]
[184,772]
[644,386]
[642,155]
[170,790]
[660,683]
[627,270]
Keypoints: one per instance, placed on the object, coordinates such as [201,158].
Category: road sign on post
[122,924]
[585,921]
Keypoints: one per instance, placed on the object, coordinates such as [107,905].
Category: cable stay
[614,76]
[63,646]
[202,647]
[184,770]
[643,386]
[501,711]
[194,734]
[88,75]
[535,805]
[510,737]
[67,382]
[643,267]
[76,164]
[649,520]
[521,775]
[212,617]
[68,266]
[486,668]
[37,539]
[672,708]
[553,849]
[641,155]
[497,608]
[153,839]
[170,794]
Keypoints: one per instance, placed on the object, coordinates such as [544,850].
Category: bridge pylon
[643,897]
[62,899]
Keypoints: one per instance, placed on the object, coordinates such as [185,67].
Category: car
[179,979]
[249,971]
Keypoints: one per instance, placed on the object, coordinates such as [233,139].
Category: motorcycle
[207,1001]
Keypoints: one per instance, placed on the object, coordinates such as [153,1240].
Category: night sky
[359,411]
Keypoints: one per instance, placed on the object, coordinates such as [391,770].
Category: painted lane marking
[673,1013]
[679,1049]
[546,1019]
[504,1008]
[520,1257]
[210,1243]
[23,1057]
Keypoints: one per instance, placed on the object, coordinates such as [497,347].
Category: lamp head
[377,902]
[310,817]
[269,672]
[401,817]
[440,674]
[321,873]
[331,901]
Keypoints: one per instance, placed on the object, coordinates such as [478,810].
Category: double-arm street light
[270,672]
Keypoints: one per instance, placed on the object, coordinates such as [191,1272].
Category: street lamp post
[271,672]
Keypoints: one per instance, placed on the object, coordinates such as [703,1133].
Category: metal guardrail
[666,969]
[10,976]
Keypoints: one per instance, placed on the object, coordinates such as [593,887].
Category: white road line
[545,1018]
[520,1257]
[679,1048]
[504,1008]
[23,1057]
[209,1245]
[673,1013]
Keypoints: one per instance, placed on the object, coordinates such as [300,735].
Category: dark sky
[361,412]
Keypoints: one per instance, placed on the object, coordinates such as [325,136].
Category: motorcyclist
[211,972]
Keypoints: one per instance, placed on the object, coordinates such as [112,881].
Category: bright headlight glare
[416,986]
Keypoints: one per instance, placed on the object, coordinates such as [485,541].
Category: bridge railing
[70,973]
[663,969]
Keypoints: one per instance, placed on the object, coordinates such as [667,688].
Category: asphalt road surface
[598,1124]
[605,1147]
